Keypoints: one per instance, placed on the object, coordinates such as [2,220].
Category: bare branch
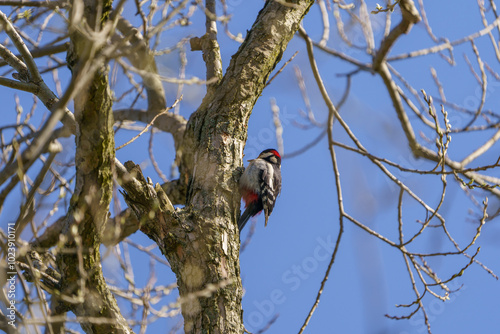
[410,17]
[149,124]
[332,111]
[142,58]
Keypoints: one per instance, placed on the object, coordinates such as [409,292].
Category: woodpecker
[260,184]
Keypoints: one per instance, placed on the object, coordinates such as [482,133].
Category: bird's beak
[250,160]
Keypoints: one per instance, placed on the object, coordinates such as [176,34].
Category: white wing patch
[270,176]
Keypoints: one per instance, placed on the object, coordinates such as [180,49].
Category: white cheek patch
[270,177]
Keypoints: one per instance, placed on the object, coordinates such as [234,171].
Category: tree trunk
[201,242]
[83,288]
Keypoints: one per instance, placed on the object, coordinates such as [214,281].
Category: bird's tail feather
[244,218]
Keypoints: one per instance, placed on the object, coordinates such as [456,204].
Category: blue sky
[284,264]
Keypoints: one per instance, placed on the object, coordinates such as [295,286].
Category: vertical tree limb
[83,288]
[211,49]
